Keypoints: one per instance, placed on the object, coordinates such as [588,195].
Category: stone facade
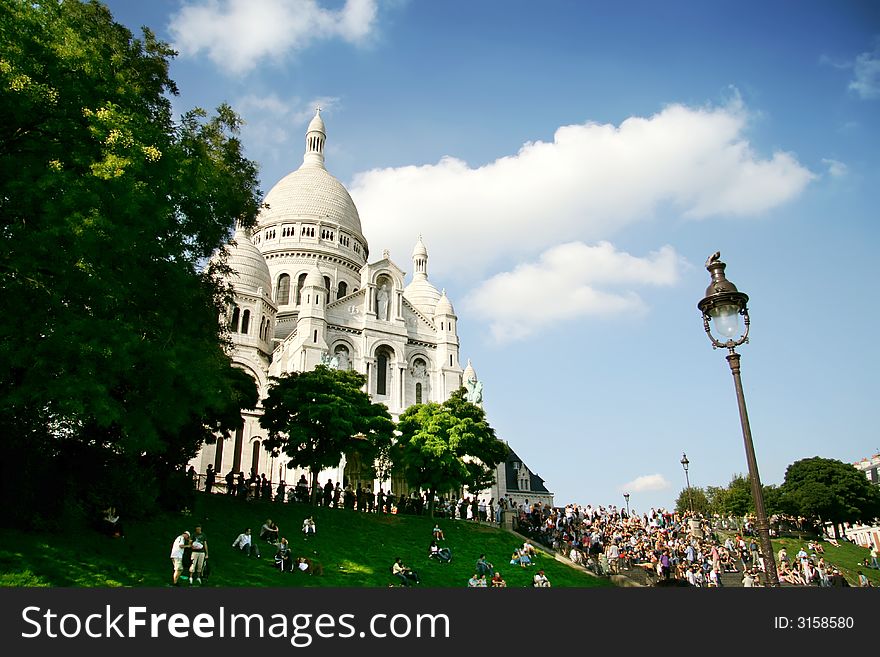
[305,292]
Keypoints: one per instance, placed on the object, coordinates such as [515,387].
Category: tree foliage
[110,351]
[830,490]
[317,416]
[694,498]
[443,447]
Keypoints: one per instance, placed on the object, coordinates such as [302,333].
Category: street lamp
[685,463]
[724,305]
[626,497]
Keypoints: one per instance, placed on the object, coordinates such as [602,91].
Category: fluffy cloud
[568,281]
[647,483]
[237,34]
[590,181]
[866,70]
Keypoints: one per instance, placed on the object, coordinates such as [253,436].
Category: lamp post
[626,497]
[724,305]
[685,463]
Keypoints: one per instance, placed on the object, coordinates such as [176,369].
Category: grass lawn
[354,549]
[848,557]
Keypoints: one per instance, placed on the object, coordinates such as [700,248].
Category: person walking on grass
[199,555]
[180,544]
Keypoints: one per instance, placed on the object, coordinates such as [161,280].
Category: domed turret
[249,269]
[444,306]
[314,279]
[420,293]
[469,373]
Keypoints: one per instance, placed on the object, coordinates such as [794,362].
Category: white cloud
[590,181]
[274,127]
[867,75]
[646,483]
[836,169]
[567,282]
[238,34]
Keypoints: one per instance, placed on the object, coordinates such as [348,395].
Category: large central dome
[311,193]
[310,212]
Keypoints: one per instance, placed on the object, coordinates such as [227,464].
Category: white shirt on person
[243,540]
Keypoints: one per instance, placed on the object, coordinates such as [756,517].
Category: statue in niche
[474,391]
[382,302]
[419,371]
[341,357]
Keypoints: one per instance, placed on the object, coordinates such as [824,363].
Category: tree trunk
[431,502]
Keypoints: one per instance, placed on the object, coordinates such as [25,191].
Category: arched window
[233,323]
[255,456]
[327,283]
[343,290]
[245,321]
[418,393]
[282,293]
[299,286]
[382,358]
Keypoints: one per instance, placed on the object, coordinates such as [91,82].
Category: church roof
[513,465]
[444,306]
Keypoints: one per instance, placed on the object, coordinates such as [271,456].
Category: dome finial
[316,135]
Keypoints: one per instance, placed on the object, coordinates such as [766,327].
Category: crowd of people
[669,546]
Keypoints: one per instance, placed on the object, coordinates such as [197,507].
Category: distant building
[514,481]
[870,467]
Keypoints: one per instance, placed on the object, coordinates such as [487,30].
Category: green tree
[831,491]
[111,357]
[442,447]
[317,416]
[695,497]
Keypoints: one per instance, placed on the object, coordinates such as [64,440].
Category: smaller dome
[469,374]
[314,278]
[249,269]
[444,306]
[422,295]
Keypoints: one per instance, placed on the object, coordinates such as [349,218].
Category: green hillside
[353,549]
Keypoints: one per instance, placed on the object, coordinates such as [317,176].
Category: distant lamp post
[685,464]
[723,306]
[626,497]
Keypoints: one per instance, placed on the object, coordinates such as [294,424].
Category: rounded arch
[344,352]
[256,374]
[393,277]
[282,289]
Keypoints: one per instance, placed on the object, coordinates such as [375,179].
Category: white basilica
[306,293]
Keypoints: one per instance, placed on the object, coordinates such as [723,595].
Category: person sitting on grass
[443,555]
[483,567]
[498,581]
[283,558]
[245,543]
[474,581]
[306,565]
[269,532]
[405,574]
[438,533]
[540,580]
[309,527]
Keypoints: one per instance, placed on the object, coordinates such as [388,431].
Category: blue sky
[570,166]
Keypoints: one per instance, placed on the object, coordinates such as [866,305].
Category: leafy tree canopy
[315,417]
[109,336]
[831,490]
[443,447]
[694,498]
